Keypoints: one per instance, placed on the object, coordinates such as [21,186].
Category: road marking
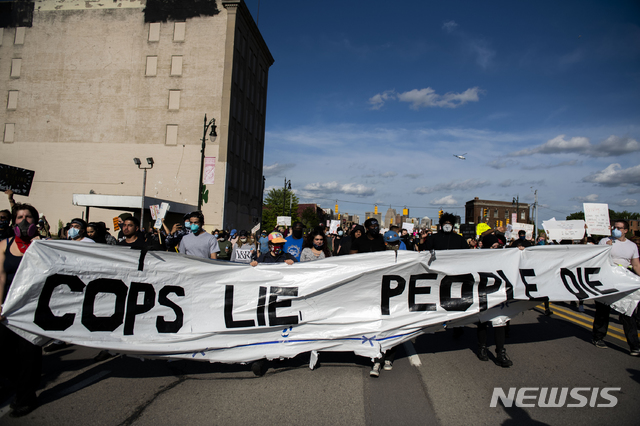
[414,358]
[614,332]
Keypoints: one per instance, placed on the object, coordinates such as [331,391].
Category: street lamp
[516,202]
[284,196]
[212,137]
[138,163]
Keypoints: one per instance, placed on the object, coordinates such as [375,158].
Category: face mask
[447,228]
[616,233]
[4,224]
[25,230]
[276,250]
[243,239]
[187,225]
[541,243]
[521,237]
[194,227]
[215,235]
[341,233]
[297,233]
[318,246]
[373,231]
[73,233]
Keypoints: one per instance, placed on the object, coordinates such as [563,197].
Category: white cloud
[444,201]
[615,175]
[276,169]
[427,97]
[627,202]
[551,166]
[319,189]
[452,186]
[610,147]
[388,174]
[449,26]
[591,198]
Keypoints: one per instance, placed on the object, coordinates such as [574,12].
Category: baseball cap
[242,233]
[276,238]
[233,232]
[391,237]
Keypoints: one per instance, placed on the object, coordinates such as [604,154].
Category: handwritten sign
[283,220]
[408,227]
[597,217]
[16,179]
[209,173]
[559,230]
[333,228]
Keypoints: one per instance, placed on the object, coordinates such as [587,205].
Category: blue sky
[369,101]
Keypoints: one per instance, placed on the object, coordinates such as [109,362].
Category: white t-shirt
[622,251]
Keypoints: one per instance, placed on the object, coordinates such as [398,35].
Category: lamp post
[138,163]
[212,136]
[284,197]
[516,202]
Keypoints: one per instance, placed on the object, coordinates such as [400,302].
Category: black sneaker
[22,410]
[599,343]
[258,367]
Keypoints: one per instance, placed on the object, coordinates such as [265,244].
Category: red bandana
[22,246]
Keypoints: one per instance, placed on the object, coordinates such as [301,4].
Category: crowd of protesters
[22,225]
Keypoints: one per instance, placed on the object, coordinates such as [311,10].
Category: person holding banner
[77,231]
[20,360]
[371,241]
[315,247]
[276,253]
[199,242]
[294,242]
[131,235]
[447,239]
[245,249]
[623,253]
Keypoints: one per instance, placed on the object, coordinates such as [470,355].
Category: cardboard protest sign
[596,216]
[161,212]
[116,227]
[408,226]
[559,230]
[16,179]
[283,220]
[333,228]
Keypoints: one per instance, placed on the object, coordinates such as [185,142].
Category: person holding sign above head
[20,360]
[623,253]
[199,242]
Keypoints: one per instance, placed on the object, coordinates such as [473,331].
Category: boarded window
[179,30]
[152,66]
[154,31]
[12,102]
[176,65]
[174,99]
[172,134]
[16,65]
[9,132]
[20,33]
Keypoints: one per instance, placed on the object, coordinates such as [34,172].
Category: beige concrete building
[91,85]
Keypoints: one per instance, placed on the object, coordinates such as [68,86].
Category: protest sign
[255,228]
[169,305]
[283,220]
[209,173]
[596,215]
[333,228]
[517,227]
[154,209]
[468,230]
[408,226]
[16,179]
[559,230]
[116,227]
[161,213]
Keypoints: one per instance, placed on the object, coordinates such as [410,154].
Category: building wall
[96,89]
[497,212]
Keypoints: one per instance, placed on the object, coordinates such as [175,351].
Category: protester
[276,253]
[178,231]
[226,248]
[263,241]
[446,239]
[522,241]
[315,247]
[5,225]
[44,230]
[407,240]
[20,360]
[199,242]
[294,242]
[77,231]
[97,233]
[131,235]
[625,254]
[245,249]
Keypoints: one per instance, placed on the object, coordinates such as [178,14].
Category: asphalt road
[442,383]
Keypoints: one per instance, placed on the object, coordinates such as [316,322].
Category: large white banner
[169,305]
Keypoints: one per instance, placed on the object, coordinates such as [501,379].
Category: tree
[613,215]
[279,202]
[310,218]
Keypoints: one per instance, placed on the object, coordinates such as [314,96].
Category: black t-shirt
[523,243]
[365,245]
[444,241]
[281,258]
[138,244]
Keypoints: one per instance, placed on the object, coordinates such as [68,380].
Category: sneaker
[599,343]
[388,365]
[548,312]
[258,367]
[581,308]
[634,352]
[22,410]
[375,371]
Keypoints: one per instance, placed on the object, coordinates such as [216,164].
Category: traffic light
[484,212]
[507,221]
[440,213]
[405,212]
[336,208]
[375,209]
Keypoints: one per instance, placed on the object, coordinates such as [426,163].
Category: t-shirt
[365,245]
[225,250]
[622,251]
[243,254]
[293,246]
[138,244]
[201,245]
[264,244]
[444,241]
[268,258]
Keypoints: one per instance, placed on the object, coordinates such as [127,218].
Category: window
[522,214]
[12,102]
[179,30]
[176,65]
[152,66]
[174,99]
[9,132]
[172,134]
[16,65]
[20,32]
[154,31]
[495,213]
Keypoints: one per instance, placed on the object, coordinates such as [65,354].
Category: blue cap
[234,232]
[391,237]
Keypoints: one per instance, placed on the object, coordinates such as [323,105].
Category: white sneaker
[375,371]
[388,365]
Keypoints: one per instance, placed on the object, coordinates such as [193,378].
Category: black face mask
[373,231]
[297,233]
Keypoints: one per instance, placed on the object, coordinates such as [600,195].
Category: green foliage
[613,215]
[310,218]
[274,202]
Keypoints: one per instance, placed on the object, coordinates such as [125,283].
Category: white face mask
[447,227]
